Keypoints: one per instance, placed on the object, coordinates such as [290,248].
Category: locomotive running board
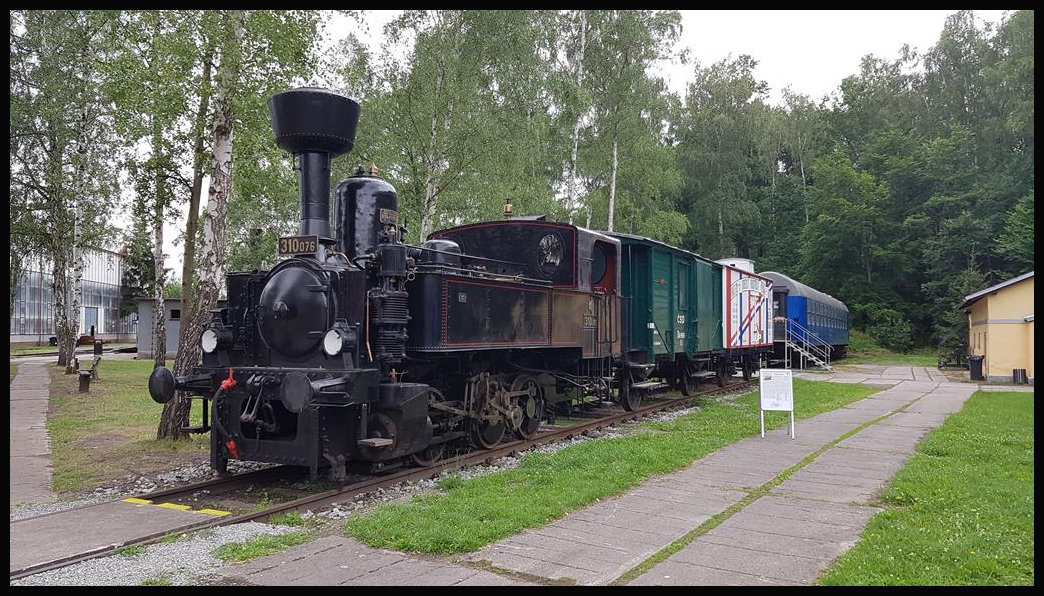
[375,442]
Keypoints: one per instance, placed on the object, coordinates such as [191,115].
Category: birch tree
[150,82]
[176,411]
[255,52]
[624,46]
[61,149]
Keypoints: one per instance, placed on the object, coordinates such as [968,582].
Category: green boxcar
[672,302]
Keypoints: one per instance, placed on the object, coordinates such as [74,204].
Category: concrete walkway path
[784,509]
[30,447]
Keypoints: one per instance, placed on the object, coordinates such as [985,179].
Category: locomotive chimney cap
[309,119]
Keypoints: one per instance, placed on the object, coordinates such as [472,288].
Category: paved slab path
[786,509]
[30,447]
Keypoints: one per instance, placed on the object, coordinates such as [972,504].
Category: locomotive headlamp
[209,341]
[333,342]
[214,338]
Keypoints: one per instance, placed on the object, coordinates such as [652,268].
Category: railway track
[585,423]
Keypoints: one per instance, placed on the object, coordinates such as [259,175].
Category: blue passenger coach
[807,315]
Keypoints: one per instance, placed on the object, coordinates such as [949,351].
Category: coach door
[685,323]
[779,315]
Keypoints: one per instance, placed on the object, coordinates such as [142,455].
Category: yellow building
[1000,328]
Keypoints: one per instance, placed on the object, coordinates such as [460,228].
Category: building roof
[972,298]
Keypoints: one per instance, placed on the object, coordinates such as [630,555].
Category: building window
[175,314]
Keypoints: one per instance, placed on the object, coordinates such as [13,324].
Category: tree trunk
[188,264]
[578,80]
[431,177]
[176,412]
[612,184]
[60,295]
[804,184]
[721,225]
[77,287]
[159,316]
[159,187]
[77,245]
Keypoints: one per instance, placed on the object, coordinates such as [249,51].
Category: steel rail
[323,498]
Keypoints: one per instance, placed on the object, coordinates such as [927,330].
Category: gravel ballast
[181,562]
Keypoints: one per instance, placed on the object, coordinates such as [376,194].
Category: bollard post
[85,381]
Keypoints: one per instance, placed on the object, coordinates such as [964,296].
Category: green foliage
[1016,243]
[292,518]
[139,268]
[472,513]
[908,189]
[162,580]
[260,546]
[961,511]
[890,329]
[130,551]
[863,349]
[172,289]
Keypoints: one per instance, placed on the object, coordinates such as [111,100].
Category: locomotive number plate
[298,245]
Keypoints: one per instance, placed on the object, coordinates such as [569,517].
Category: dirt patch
[102,440]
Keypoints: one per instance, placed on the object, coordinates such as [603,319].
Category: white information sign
[777,394]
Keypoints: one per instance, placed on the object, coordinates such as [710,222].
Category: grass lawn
[30,350]
[260,546]
[863,350]
[960,512]
[473,513]
[111,432]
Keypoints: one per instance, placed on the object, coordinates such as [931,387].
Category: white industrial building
[32,317]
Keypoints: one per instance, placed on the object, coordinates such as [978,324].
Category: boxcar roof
[796,288]
[643,240]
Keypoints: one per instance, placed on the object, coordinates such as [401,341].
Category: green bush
[890,329]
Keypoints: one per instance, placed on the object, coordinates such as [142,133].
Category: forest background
[904,191]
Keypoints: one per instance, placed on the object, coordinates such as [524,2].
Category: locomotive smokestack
[314,125]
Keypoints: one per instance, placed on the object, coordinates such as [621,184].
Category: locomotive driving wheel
[434,452]
[532,405]
[430,455]
[487,433]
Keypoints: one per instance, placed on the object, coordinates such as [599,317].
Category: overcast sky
[810,50]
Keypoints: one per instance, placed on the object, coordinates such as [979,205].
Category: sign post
[777,394]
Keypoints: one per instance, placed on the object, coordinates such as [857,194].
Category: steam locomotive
[358,350]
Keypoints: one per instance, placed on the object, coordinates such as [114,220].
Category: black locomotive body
[509,318]
[361,349]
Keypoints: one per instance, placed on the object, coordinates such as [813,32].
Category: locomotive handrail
[436,267]
[466,256]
